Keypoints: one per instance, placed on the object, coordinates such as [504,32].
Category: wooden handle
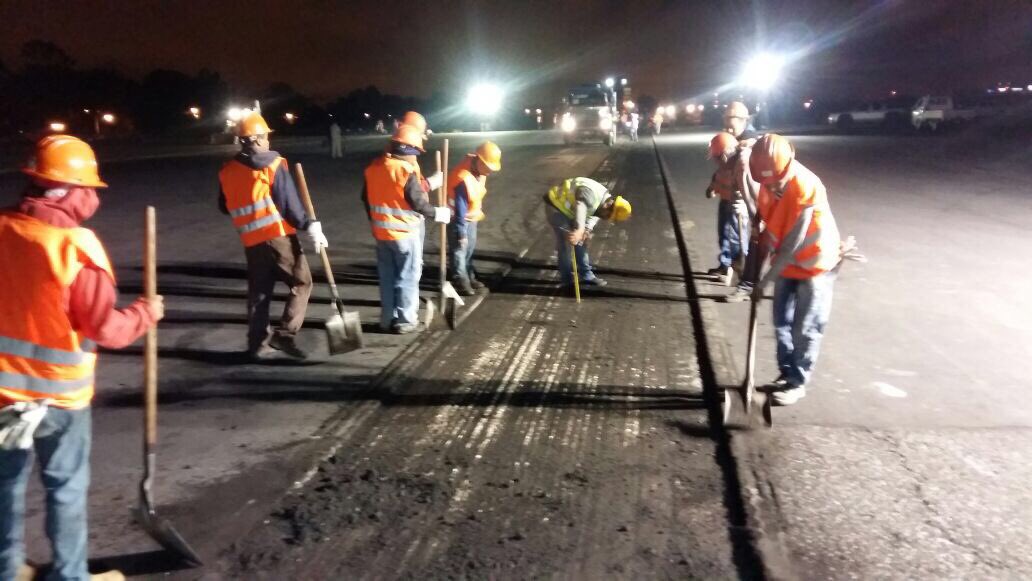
[306,199]
[150,348]
[442,167]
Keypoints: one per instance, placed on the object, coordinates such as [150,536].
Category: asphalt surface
[910,457]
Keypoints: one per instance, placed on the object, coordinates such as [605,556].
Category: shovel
[450,301]
[576,277]
[343,328]
[742,405]
[158,528]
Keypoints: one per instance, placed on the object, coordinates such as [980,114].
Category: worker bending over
[58,306]
[802,234]
[396,201]
[258,193]
[467,188]
[573,208]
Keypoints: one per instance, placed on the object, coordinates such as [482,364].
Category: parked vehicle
[933,112]
[893,113]
[590,113]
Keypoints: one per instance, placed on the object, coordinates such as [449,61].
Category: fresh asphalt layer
[910,456]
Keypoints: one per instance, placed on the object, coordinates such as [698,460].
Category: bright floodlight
[762,72]
[610,81]
[484,100]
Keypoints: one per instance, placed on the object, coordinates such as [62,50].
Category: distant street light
[108,118]
[195,112]
[57,126]
[623,82]
[628,104]
[484,99]
[762,72]
[610,82]
[290,117]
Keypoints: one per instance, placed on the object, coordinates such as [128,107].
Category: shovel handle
[442,166]
[150,346]
[306,199]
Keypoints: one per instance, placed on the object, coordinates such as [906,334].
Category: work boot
[788,396]
[594,282]
[476,284]
[112,575]
[463,287]
[263,354]
[288,346]
[740,294]
[407,328]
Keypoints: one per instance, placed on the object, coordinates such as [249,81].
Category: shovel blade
[449,292]
[742,412]
[165,534]
[344,332]
[429,312]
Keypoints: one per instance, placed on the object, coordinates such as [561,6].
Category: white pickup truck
[933,112]
[877,113]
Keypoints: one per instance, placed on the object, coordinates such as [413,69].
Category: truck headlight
[568,124]
[605,124]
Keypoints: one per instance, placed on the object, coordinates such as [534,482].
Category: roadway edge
[751,504]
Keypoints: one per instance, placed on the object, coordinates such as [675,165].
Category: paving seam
[754,539]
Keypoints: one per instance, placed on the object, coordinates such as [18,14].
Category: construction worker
[657,121]
[467,187]
[736,121]
[573,208]
[415,120]
[802,234]
[59,305]
[259,194]
[336,141]
[734,186]
[397,202]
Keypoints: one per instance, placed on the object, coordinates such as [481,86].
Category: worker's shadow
[131,565]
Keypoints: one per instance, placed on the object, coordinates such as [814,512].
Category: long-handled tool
[742,405]
[343,328]
[158,528]
[576,277]
[450,301]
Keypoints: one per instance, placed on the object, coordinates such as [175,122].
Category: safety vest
[476,188]
[249,201]
[564,196]
[820,249]
[723,183]
[390,214]
[41,355]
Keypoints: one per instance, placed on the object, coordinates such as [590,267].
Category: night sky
[670,49]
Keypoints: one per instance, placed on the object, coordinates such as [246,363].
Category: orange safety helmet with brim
[65,159]
[252,125]
[416,120]
[409,135]
[771,159]
[720,144]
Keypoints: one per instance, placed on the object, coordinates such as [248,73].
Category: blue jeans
[400,264]
[732,240]
[801,311]
[62,444]
[562,225]
[460,260]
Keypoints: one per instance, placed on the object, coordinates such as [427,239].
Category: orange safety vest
[391,216]
[476,188]
[723,183]
[820,249]
[41,355]
[249,201]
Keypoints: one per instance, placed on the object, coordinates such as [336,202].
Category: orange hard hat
[490,155]
[65,159]
[720,143]
[253,124]
[414,119]
[736,109]
[771,158]
[409,135]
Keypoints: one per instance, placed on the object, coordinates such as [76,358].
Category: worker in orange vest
[397,203]
[51,322]
[732,183]
[467,188]
[259,194]
[802,234]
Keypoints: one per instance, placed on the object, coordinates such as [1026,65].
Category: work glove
[710,193]
[315,238]
[442,214]
[18,423]
[740,208]
[435,180]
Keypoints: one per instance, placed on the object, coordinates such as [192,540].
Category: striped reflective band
[394,211]
[40,385]
[252,208]
[399,226]
[18,348]
[259,224]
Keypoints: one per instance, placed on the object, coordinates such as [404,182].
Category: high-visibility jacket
[820,249]
[723,183]
[390,214]
[41,355]
[564,196]
[476,188]
[249,201]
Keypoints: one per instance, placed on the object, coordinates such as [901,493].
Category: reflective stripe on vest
[564,196]
[41,354]
[249,201]
[476,188]
[390,215]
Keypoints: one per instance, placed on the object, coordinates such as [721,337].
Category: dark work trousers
[279,259]
[753,262]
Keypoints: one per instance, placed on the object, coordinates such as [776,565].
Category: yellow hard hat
[491,155]
[253,124]
[621,210]
[65,159]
